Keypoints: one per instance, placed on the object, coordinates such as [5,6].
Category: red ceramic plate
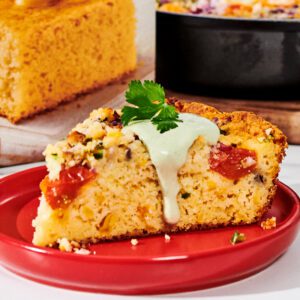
[189,261]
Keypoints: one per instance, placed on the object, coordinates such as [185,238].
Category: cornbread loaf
[118,192]
[51,53]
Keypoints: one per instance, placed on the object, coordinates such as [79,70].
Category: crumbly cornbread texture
[125,198]
[50,54]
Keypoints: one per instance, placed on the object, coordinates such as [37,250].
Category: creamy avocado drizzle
[168,152]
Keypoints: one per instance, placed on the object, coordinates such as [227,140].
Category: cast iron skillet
[258,59]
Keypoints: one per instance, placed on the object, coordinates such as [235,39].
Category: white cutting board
[26,141]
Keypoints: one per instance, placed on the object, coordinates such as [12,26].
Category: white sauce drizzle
[168,152]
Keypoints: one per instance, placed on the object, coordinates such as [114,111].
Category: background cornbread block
[49,55]
[25,141]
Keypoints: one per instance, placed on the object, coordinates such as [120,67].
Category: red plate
[189,261]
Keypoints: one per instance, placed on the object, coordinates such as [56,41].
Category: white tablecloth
[279,281]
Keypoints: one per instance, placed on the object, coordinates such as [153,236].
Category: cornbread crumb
[75,244]
[268,131]
[167,238]
[82,251]
[269,223]
[64,245]
[134,242]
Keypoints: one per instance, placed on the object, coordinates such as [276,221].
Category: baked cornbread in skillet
[50,53]
[119,193]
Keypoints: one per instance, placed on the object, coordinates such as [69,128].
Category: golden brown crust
[168,229]
[238,121]
[67,99]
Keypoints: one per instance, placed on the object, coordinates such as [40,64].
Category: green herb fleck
[149,103]
[237,238]
[185,195]
[54,155]
[98,154]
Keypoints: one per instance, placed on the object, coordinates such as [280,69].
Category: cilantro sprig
[149,103]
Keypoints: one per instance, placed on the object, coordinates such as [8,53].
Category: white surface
[280,281]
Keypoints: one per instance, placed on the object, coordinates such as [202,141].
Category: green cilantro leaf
[148,103]
[166,118]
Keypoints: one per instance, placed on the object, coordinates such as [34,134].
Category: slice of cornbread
[102,184]
[51,53]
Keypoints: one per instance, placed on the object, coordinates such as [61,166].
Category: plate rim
[291,219]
